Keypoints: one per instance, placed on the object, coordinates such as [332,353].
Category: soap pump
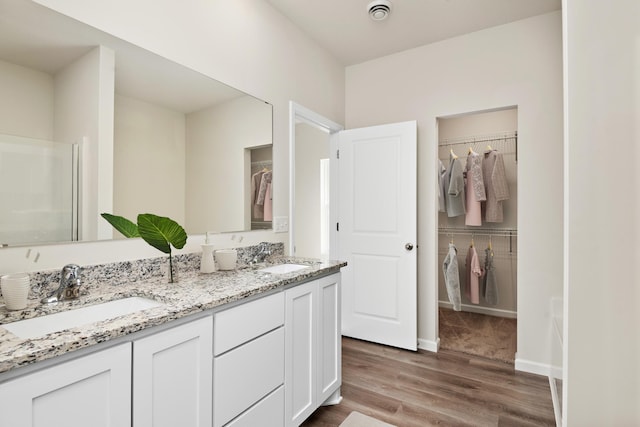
[207,263]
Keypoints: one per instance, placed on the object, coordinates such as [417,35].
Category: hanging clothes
[442,171]
[490,286]
[475,193]
[258,209]
[268,203]
[452,276]
[264,181]
[474,273]
[495,183]
[455,188]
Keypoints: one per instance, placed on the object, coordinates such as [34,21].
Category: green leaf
[123,225]
[160,232]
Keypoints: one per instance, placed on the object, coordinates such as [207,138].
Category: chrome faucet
[69,285]
[261,255]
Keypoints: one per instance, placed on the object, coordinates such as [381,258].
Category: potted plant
[158,231]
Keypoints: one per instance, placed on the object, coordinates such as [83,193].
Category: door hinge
[337,226]
[337,154]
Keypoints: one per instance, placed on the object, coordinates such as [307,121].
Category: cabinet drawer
[269,412]
[243,323]
[246,374]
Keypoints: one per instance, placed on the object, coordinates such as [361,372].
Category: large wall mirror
[90,124]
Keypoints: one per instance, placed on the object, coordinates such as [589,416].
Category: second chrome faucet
[69,287]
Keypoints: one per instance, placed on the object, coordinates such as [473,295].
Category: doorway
[479,318]
[312,191]
[379,283]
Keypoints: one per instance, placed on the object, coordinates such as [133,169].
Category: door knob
[408,246]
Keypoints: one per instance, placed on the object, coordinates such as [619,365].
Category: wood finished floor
[417,389]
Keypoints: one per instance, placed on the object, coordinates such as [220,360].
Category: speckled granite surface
[194,292]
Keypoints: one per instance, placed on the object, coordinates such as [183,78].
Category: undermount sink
[284,268]
[42,325]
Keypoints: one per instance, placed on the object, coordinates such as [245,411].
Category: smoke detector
[379,9]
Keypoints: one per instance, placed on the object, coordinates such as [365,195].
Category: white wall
[602,207]
[244,43]
[148,160]
[26,107]
[217,140]
[84,115]
[517,64]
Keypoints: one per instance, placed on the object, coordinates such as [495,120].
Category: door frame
[298,113]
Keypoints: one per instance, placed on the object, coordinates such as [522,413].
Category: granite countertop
[194,292]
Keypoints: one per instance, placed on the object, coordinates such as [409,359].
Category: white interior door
[377,233]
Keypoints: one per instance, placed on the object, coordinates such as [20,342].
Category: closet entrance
[478,233]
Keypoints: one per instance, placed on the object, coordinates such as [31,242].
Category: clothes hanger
[472,242]
[490,245]
[471,150]
[489,148]
[453,154]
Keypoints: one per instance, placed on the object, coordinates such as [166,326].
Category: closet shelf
[262,163]
[485,139]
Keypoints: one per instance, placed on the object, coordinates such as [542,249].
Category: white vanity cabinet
[172,379]
[313,347]
[164,378]
[248,365]
[268,361]
[92,390]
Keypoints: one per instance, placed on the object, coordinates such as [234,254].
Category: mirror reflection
[92,124]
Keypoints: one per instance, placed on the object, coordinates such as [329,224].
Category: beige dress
[475,193]
[495,184]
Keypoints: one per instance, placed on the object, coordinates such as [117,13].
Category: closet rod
[508,137]
[262,163]
[491,232]
[507,232]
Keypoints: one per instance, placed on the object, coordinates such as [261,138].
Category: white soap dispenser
[207,263]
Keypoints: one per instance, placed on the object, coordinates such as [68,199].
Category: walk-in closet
[259,181]
[478,233]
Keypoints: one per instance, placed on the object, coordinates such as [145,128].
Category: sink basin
[39,326]
[284,268]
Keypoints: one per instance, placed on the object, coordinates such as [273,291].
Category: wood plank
[421,388]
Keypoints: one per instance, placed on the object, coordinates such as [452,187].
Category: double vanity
[259,345]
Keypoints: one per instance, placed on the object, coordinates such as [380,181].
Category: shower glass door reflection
[39,191]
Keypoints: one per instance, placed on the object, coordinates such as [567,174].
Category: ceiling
[38,38]
[344,28]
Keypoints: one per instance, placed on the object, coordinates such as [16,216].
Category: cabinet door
[92,390]
[329,336]
[172,379]
[300,352]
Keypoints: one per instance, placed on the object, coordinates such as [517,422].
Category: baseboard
[536,367]
[334,399]
[481,309]
[556,372]
[429,345]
